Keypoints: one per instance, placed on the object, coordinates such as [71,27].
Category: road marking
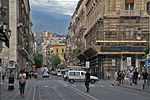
[45,86]
[34,93]
[58,93]
[88,97]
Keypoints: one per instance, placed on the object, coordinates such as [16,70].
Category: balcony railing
[130,13]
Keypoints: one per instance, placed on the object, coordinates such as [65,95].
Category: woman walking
[22,82]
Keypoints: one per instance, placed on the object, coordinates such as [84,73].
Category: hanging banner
[87,64]
[113,62]
[129,61]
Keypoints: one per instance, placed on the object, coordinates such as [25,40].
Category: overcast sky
[55,6]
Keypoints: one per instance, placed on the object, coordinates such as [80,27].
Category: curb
[135,89]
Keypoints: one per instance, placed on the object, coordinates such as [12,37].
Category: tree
[55,61]
[38,59]
[60,66]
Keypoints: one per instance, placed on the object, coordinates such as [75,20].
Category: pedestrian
[144,78]
[107,76]
[119,78]
[122,77]
[116,78]
[135,74]
[11,80]
[87,80]
[3,77]
[22,82]
[130,77]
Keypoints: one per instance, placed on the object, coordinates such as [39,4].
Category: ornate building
[21,41]
[115,36]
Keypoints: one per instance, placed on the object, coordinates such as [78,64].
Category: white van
[74,75]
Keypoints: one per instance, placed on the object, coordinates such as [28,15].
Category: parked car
[74,75]
[45,74]
[59,74]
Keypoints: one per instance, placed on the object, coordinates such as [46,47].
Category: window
[77,73]
[56,50]
[129,4]
[82,74]
[71,73]
[62,50]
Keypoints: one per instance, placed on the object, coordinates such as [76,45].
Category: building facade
[5,34]
[20,51]
[115,36]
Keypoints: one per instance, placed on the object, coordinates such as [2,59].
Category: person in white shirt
[22,82]
[116,77]
[131,77]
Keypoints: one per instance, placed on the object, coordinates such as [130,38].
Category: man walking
[135,74]
[144,78]
[87,80]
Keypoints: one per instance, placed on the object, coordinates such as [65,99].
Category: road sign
[128,61]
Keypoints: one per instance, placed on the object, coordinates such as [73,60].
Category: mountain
[57,23]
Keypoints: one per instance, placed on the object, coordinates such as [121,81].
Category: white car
[59,74]
[74,75]
[45,74]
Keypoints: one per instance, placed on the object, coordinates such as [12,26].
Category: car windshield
[45,73]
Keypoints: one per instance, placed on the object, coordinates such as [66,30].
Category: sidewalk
[138,87]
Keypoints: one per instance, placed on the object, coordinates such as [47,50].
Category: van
[73,76]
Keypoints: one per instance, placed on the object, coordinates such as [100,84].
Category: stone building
[75,40]
[5,33]
[115,36]
[20,51]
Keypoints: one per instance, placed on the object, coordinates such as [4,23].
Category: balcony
[130,13]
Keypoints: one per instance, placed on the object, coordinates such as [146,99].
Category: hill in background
[57,23]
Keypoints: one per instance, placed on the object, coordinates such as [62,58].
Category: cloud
[56,6]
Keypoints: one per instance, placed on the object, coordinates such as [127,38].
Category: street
[55,88]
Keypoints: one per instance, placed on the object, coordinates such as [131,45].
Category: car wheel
[71,81]
[92,81]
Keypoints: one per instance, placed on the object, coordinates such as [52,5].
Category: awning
[90,52]
[122,48]
[82,57]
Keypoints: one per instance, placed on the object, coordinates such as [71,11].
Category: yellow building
[59,49]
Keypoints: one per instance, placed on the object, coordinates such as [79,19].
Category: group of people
[131,76]
[22,81]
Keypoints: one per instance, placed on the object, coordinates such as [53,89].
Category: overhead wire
[40,2]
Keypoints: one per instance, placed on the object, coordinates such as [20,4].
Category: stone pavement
[138,87]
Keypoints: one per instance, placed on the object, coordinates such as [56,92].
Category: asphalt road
[54,88]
